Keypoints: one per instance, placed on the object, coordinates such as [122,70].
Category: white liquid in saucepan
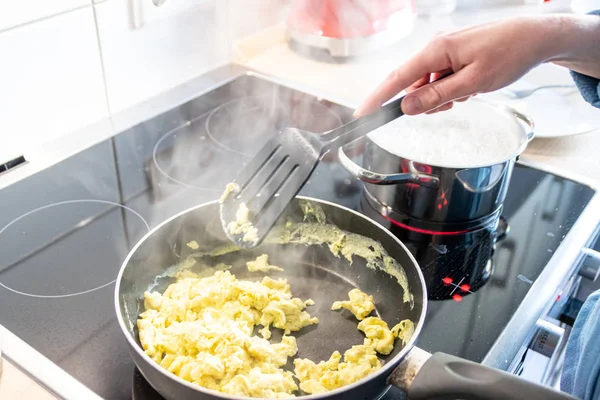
[471,134]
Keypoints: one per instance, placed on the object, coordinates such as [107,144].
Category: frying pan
[314,272]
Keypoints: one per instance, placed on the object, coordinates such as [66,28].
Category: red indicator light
[443,195]
[419,230]
[558,297]
[464,287]
[457,297]
[439,206]
[447,280]
[445,202]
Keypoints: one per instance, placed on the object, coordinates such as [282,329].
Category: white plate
[584,6]
[555,112]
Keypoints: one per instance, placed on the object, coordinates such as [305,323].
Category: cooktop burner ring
[166,174]
[310,115]
[429,227]
[80,225]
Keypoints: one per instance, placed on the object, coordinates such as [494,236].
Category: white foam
[471,134]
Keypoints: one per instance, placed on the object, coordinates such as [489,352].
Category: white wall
[50,72]
[144,57]
[245,17]
[66,64]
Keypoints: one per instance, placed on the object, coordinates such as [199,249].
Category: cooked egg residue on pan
[201,329]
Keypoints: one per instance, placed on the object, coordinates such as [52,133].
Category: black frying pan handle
[443,376]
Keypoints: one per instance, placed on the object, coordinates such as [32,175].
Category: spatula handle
[363,125]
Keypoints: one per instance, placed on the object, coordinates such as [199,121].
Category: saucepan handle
[385,179]
[442,376]
[528,122]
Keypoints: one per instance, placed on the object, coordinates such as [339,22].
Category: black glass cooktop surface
[65,231]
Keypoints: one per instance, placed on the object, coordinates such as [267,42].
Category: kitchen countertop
[349,83]
[14,384]
[346,83]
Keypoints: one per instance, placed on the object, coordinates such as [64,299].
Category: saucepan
[313,271]
[434,196]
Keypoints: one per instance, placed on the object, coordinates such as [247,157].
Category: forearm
[488,57]
[575,43]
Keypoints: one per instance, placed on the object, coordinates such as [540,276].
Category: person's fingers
[430,59]
[440,74]
[428,97]
[420,82]
[463,98]
[444,107]
[428,78]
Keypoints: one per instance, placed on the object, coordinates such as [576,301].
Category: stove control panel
[543,357]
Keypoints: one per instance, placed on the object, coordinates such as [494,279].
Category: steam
[192,163]
[216,135]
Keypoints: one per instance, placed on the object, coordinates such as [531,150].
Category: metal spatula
[253,203]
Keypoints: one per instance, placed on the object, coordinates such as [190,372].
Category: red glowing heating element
[464,288]
[423,231]
[442,201]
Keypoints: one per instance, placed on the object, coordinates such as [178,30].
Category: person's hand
[482,58]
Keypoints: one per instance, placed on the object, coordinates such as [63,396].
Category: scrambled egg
[231,187]
[193,245]
[378,335]
[261,264]
[359,361]
[360,304]
[242,224]
[201,330]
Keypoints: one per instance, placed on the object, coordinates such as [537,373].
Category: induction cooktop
[65,231]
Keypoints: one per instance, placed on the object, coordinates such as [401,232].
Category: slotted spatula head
[254,201]
[252,204]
